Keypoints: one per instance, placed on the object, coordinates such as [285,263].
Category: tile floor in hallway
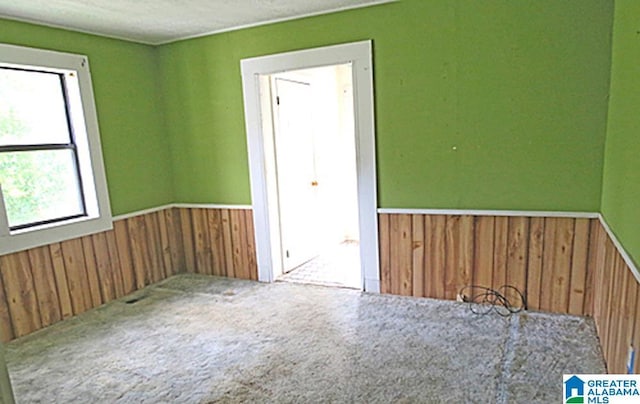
[337,266]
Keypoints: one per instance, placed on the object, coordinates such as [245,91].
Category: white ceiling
[162,21]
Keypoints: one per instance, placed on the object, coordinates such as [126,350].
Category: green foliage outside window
[37,185]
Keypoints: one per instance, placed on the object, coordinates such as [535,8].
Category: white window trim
[91,164]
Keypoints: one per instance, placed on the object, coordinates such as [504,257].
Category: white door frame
[360,56]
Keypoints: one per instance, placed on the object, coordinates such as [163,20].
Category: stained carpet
[202,339]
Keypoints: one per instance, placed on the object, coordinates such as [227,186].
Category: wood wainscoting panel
[579,267]
[20,293]
[483,249]
[534,263]
[188,247]
[616,302]
[436,255]
[562,265]
[6,328]
[43,285]
[518,253]
[418,238]
[219,242]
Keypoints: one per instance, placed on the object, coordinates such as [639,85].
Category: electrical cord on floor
[506,300]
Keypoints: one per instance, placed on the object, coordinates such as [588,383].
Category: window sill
[53,233]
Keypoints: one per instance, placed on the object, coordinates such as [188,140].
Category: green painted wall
[519,88]
[125,80]
[621,184]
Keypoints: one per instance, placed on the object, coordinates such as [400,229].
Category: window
[52,182]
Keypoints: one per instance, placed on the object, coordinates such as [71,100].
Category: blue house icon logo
[574,390]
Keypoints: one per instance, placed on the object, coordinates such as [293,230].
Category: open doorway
[257,76]
[314,161]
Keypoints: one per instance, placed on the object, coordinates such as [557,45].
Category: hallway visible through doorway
[355,182]
[334,267]
[314,166]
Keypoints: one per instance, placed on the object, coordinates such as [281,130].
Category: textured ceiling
[161,21]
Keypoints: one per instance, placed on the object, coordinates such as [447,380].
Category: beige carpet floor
[200,339]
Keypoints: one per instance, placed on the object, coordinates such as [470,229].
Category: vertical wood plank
[165,244]
[174,231]
[592,266]
[6,328]
[607,347]
[116,267]
[613,312]
[77,280]
[500,251]
[401,258]
[90,267]
[139,252]
[385,253]
[483,251]
[239,243]
[459,253]
[518,253]
[103,263]
[548,264]
[228,243]
[404,261]
[418,269]
[60,275]
[465,240]
[562,254]
[452,233]
[607,292]
[201,240]
[435,228]
[45,285]
[636,328]
[630,315]
[252,260]
[624,333]
[121,233]
[599,260]
[394,254]
[20,293]
[535,259]
[152,245]
[187,240]
[579,267]
[617,327]
[217,242]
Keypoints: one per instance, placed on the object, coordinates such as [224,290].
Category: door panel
[296,172]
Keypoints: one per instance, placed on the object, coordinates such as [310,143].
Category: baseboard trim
[372,285]
[179,205]
[209,206]
[389,211]
[625,256]
[478,212]
[141,212]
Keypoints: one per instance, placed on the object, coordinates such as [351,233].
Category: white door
[296,172]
